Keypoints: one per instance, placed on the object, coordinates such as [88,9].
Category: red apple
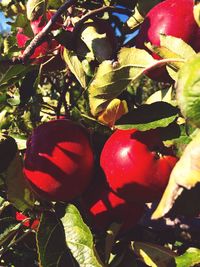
[40,51]
[137,165]
[58,163]
[48,48]
[20,217]
[170,17]
[103,208]
[38,25]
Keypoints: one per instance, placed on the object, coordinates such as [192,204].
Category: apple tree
[100,139]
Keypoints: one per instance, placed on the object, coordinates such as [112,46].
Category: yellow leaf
[113,112]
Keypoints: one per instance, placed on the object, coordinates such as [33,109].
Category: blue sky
[3,25]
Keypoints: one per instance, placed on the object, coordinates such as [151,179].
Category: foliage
[95,76]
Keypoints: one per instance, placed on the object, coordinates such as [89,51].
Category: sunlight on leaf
[184,177]
[112,78]
[35,8]
[79,239]
[75,66]
[113,112]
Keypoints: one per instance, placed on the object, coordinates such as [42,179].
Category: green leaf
[177,46]
[79,239]
[161,95]
[51,245]
[21,21]
[188,90]
[112,78]
[13,74]
[21,140]
[154,255]
[181,141]
[75,66]
[190,258]
[146,117]
[18,192]
[35,8]
[55,3]
[141,9]
[15,101]
[98,43]
[172,48]
[9,227]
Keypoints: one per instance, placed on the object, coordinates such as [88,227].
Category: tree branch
[39,38]
[98,11]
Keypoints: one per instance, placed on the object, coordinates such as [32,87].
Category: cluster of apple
[134,168]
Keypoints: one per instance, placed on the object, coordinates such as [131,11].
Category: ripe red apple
[170,17]
[103,208]
[20,217]
[58,163]
[137,165]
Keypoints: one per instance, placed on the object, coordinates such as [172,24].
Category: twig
[98,11]
[39,38]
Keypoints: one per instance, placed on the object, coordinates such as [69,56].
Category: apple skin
[58,163]
[137,165]
[170,17]
[20,217]
[102,208]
